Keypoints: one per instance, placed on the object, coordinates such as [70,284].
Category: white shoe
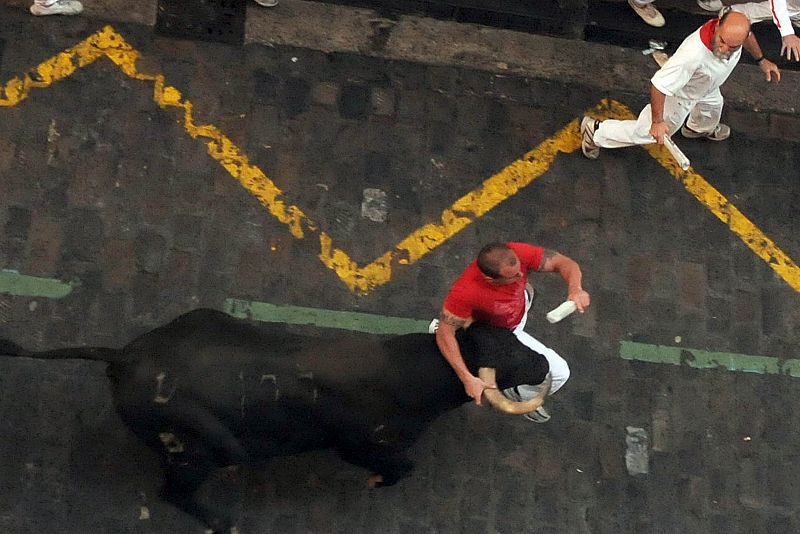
[267,3]
[720,133]
[433,327]
[539,415]
[649,13]
[710,5]
[588,146]
[60,7]
[660,57]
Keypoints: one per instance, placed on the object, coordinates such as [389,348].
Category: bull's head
[500,358]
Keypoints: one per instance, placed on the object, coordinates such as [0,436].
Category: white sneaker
[60,7]
[267,3]
[433,327]
[649,13]
[588,146]
[720,133]
[539,415]
[711,5]
[660,57]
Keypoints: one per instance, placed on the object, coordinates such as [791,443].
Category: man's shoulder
[529,255]
[467,281]
[691,48]
[464,296]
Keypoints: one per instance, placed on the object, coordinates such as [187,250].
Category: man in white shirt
[686,86]
[784,14]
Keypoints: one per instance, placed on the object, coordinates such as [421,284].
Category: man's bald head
[736,24]
[499,264]
[493,257]
[732,31]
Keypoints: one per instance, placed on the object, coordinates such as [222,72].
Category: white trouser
[703,116]
[758,11]
[559,369]
[44,3]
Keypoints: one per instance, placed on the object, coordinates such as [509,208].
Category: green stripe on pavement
[701,359]
[13,283]
[361,322]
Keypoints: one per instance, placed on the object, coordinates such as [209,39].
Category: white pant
[559,369]
[758,11]
[703,116]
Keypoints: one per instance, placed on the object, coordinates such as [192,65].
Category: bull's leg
[192,443]
[187,464]
[390,467]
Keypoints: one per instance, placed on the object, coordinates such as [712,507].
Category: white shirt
[693,71]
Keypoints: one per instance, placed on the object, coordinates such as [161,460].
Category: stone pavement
[101,186]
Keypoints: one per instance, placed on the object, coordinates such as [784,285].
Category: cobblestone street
[124,207]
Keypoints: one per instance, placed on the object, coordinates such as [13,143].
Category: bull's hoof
[233,530]
[375,480]
[220,526]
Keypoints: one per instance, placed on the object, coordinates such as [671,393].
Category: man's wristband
[762,58]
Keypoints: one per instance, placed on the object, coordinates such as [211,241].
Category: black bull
[208,390]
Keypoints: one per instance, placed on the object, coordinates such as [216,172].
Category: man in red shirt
[494,290]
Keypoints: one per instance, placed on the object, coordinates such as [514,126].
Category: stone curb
[307,25]
[335,28]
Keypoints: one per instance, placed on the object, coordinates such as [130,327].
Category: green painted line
[360,322]
[629,350]
[13,283]
[701,359]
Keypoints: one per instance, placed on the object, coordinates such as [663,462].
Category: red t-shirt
[473,296]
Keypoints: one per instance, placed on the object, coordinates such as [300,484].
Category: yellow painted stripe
[420,242]
[56,68]
[737,222]
[721,207]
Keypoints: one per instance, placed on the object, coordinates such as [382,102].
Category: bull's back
[259,380]
[281,389]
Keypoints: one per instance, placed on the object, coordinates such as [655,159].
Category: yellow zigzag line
[721,207]
[488,195]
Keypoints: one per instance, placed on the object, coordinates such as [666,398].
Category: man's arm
[790,47]
[781,17]
[448,346]
[658,128]
[790,43]
[767,67]
[570,271]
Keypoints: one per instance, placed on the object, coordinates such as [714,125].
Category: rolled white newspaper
[562,311]
[676,152]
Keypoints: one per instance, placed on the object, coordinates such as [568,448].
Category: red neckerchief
[707,33]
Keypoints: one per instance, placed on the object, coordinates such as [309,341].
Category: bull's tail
[102,354]
[9,348]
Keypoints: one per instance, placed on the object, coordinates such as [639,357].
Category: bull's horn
[500,402]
